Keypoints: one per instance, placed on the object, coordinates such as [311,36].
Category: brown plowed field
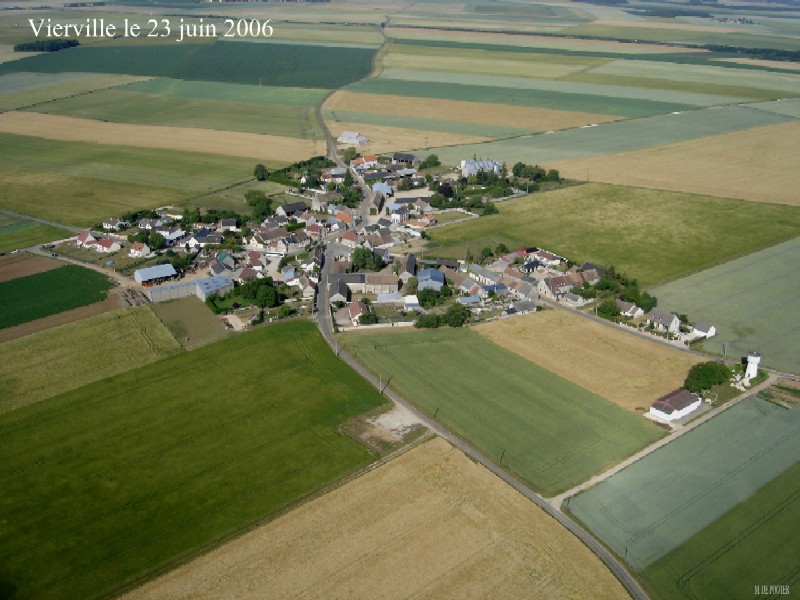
[626,369]
[20,265]
[428,524]
[760,164]
[538,119]
[186,139]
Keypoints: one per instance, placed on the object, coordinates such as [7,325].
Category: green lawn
[551,432]
[651,235]
[112,481]
[35,296]
[752,302]
[18,233]
[656,505]
[755,543]
[50,362]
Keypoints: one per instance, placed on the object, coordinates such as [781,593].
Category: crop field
[136,473]
[752,302]
[182,139]
[653,506]
[63,358]
[528,97]
[383,138]
[228,92]
[24,89]
[551,432]
[789,107]
[35,296]
[428,524]
[752,543]
[227,62]
[19,233]
[190,322]
[620,136]
[711,165]
[626,227]
[625,369]
[465,113]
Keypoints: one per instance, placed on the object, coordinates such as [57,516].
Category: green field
[23,89]
[27,298]
[619,136]
[145,468]
[96,180]
[229,92]
[551,432]
[295,65]
[653,506]
[18,233]
[651,235]
[752,302]
[755,543]
[789,107]
[190,321]
[50,362]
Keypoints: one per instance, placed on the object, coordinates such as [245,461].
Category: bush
[427,322]
[706,375]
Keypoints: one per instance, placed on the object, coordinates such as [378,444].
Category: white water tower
[753,358]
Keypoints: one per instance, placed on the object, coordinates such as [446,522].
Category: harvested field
[537,119]
[387,139]
[712,165]
[630,371]
[190,321]
[20,265]
[267,147]
[428,524]
[47,363]
[659,502]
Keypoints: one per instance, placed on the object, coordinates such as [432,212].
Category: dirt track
[429,524]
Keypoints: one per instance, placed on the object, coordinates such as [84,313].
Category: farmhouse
[703,329]
[228,225]
[290,209]
[408,268]
[356,309]
[155,275]
[103,245]
[338,292]
[663,321]
[85,238]
[364,162]
[401,158]
[675,405]
[113,224]
[352,138]
[381,283]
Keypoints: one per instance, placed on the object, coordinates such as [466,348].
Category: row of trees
[455,316]
[535,173]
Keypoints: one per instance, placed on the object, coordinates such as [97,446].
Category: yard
[190,322]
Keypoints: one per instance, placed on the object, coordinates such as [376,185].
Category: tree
[428,298]
[427,322]
[490,209]
[608,308]
[348,179]
[155,241]
[518,169]
[260,172]
[501,249]
[349,154]
[704,376]
[368,318]
[486,252]
[456,315]
[365,259]
[259,203]
[430,161]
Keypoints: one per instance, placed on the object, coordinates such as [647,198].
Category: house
[139,250]
[352,138]
[628,309]
[410,302]
[257,261]
[397,212]
[547,258]
[500,290]
[345,218]
[349,239]
[243,274]
[85,238]
[573,300]
[469,301]
[355,281]
[430,279]
[356,309]
[338,292]
[703,329]
[663,321]
[378,200]
[149,223]
[402,158]
[228,225]
[106,245]
[408,268]
[381,283]
[675,405]
[290,209]
[307,287]
[469,286]
[481,275]
[523,307]
[314,232]
[472,167]
[171,235]
[113,224]
[364,162]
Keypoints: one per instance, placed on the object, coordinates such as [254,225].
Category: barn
[155,275]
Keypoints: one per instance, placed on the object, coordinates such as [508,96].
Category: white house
[629,309]
[112,224]
[139,250]
[675,405]
[352,138]
[703,329]
[356,309]
[663,321]
[104,245]
[85,239]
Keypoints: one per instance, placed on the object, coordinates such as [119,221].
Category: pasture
[752,302]
[653,506]
[620,136]
[626,227]
[549,431]
[428,524]
[757,164]
[35,296]
[753,543]
[63,358]
[19,233]
[151,466]
[182,139]
[190,322]
[297,65]
[627,370]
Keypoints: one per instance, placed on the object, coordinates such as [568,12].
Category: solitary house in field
[352,138]
[675,405]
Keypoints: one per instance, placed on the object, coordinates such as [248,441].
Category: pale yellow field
[774,64]
[538,119]
[386,139]
[428,524]
[630,371]
[760,164]
[226,143]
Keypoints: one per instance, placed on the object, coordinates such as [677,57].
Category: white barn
[353,138]
[675,405]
